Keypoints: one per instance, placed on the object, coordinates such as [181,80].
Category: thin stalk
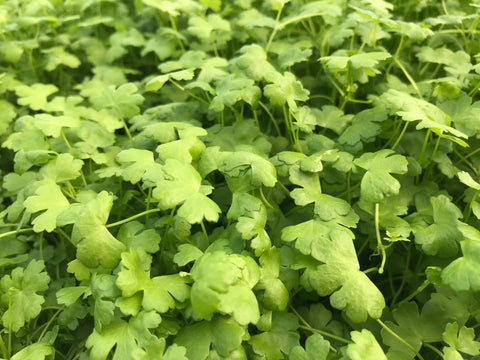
[132,218]
[255,116]
[62,133]
[50,321]
[401,135]
[275,29]
[149,196]
[379,238]
[6,355]
[13,232]
[173,24]
[433,348]
[396,336]
[127,130]
[180,87]
[205,233]
[417,291]
[271,117]
[265,199]
[424,146]
[470,206]
[307,326]
[407,75]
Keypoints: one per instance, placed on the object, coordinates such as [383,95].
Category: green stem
[308,327]
[277,128]
[417,291]
[470,206]
[407,75]
[6,355]
[275,29]
[62,133]
[379,239]
[149,196]
[264,199]
[205,233]
[255,116]
[434,349]
[173,24]
[127,130]
[396,336]
[180,87]
[50,321]
[13,232]
[401,135]
[424,146]
[132,217]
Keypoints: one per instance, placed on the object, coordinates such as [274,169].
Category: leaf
[377,183]
[182,185]
[134,235]
[456,63]
[276,295]
[36,351]
[232,89]
[158,81]
[223,283]
[48,196]
[58,56]
[69,295]
[286,89]
[336,272]
[122,101]
[466,178]
[19,294]
[7,114]
[95,244]
[278,341]
[463,273]
[158,292]
[126,337]
[443,235]
[186,253]
[247,170]
[462,339]
[316,348]
[35,96]
[364,346]
[254,63]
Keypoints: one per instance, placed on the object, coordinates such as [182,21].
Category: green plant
[236,179]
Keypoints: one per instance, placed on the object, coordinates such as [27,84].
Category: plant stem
[275,29]
[132,217]
[396,336]
[13,232]
[379,238]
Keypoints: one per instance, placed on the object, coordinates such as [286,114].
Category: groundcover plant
[239,179]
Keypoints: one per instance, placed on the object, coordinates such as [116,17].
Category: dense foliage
[239,179]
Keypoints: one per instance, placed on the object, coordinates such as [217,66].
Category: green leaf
[279,340]
[69,295]
[215,5]
[223,335]
[35,96]
[128,338]
[462,339]
[122,101]
[286,89]
[466,178]
[18,294]
[134,235]
[7,114]
[36,351]
[443,235]
[316,348]
[364,346]
[254,63]
[57,56]
[377,183]
[158,81]
[95,244]
[247,171]
[223,283]
[48,196]
[182,185]
[275,296]
[463,273]
[456,63]
[337,270]
[158,292]
[186,253]
[232,89]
